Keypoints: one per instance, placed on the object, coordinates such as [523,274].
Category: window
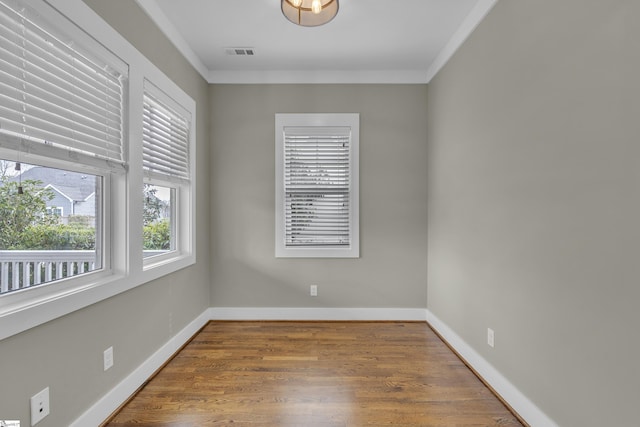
[62,110]
[55,211]
[317,185]
[69,105]
[166,164]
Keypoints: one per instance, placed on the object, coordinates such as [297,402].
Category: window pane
[50,221]
[159,221]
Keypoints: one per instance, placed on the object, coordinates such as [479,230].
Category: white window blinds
[165,138]
[317,201]
[317,186]
[59,96]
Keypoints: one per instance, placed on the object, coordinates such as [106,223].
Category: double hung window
[97,150]
[317,185]
[166,164]
[61,140]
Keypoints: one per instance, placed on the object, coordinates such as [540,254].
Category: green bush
[84,220]
[19,210]
[57,237]
[25,223]
[157,235]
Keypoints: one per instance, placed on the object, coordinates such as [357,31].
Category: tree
[20,210]
[157,229]
[153,206]
[5,166]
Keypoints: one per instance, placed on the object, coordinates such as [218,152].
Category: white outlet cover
[313,290]
[490,337]
[108,358]
[39,406]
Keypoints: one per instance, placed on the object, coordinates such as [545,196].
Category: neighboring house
[74,192]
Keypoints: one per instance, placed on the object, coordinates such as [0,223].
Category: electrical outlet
[491,337]
[39,406]
[108,358]
[313,290]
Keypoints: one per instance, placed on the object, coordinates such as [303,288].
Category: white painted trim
[421,76]
[104,407]
[350,121]
[317,76]
[25,309]
[59,192]
[151,8]
[303,313]
[518,401]
[470,23]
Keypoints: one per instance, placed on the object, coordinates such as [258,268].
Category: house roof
[75,186]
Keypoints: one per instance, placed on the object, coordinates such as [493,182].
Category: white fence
[23,269]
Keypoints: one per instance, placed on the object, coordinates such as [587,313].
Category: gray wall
[391,271]
[534,202]
[66,354]
[531,173]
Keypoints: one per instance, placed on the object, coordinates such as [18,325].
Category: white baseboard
[291,313]
[518,401]
[104,407]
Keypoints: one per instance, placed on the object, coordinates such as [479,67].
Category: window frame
[182,187]
[325,120]
[55,210]
[123,267]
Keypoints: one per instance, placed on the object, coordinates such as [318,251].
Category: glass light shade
[316,6]
[306,14]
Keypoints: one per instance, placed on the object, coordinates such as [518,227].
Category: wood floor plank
[314,374]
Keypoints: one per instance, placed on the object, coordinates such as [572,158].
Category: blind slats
[165,141]
[46,101]
[55,134]
[163,136]
[54,93]
[41,114]
[317,184]
[67,76]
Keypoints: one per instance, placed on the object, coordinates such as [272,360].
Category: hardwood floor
[315,374]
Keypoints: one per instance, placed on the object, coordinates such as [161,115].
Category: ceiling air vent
[239,51]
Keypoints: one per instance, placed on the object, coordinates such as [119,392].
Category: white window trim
[183,188]
[52,209]
[351,120]
[22,310]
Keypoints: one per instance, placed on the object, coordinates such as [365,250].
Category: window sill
[23,310]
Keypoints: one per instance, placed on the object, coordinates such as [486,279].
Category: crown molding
[468,26]
[318,77]
[151,8]
[470,23]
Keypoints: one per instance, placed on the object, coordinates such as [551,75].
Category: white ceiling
[369,41]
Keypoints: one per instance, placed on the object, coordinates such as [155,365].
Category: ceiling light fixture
[309,13]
